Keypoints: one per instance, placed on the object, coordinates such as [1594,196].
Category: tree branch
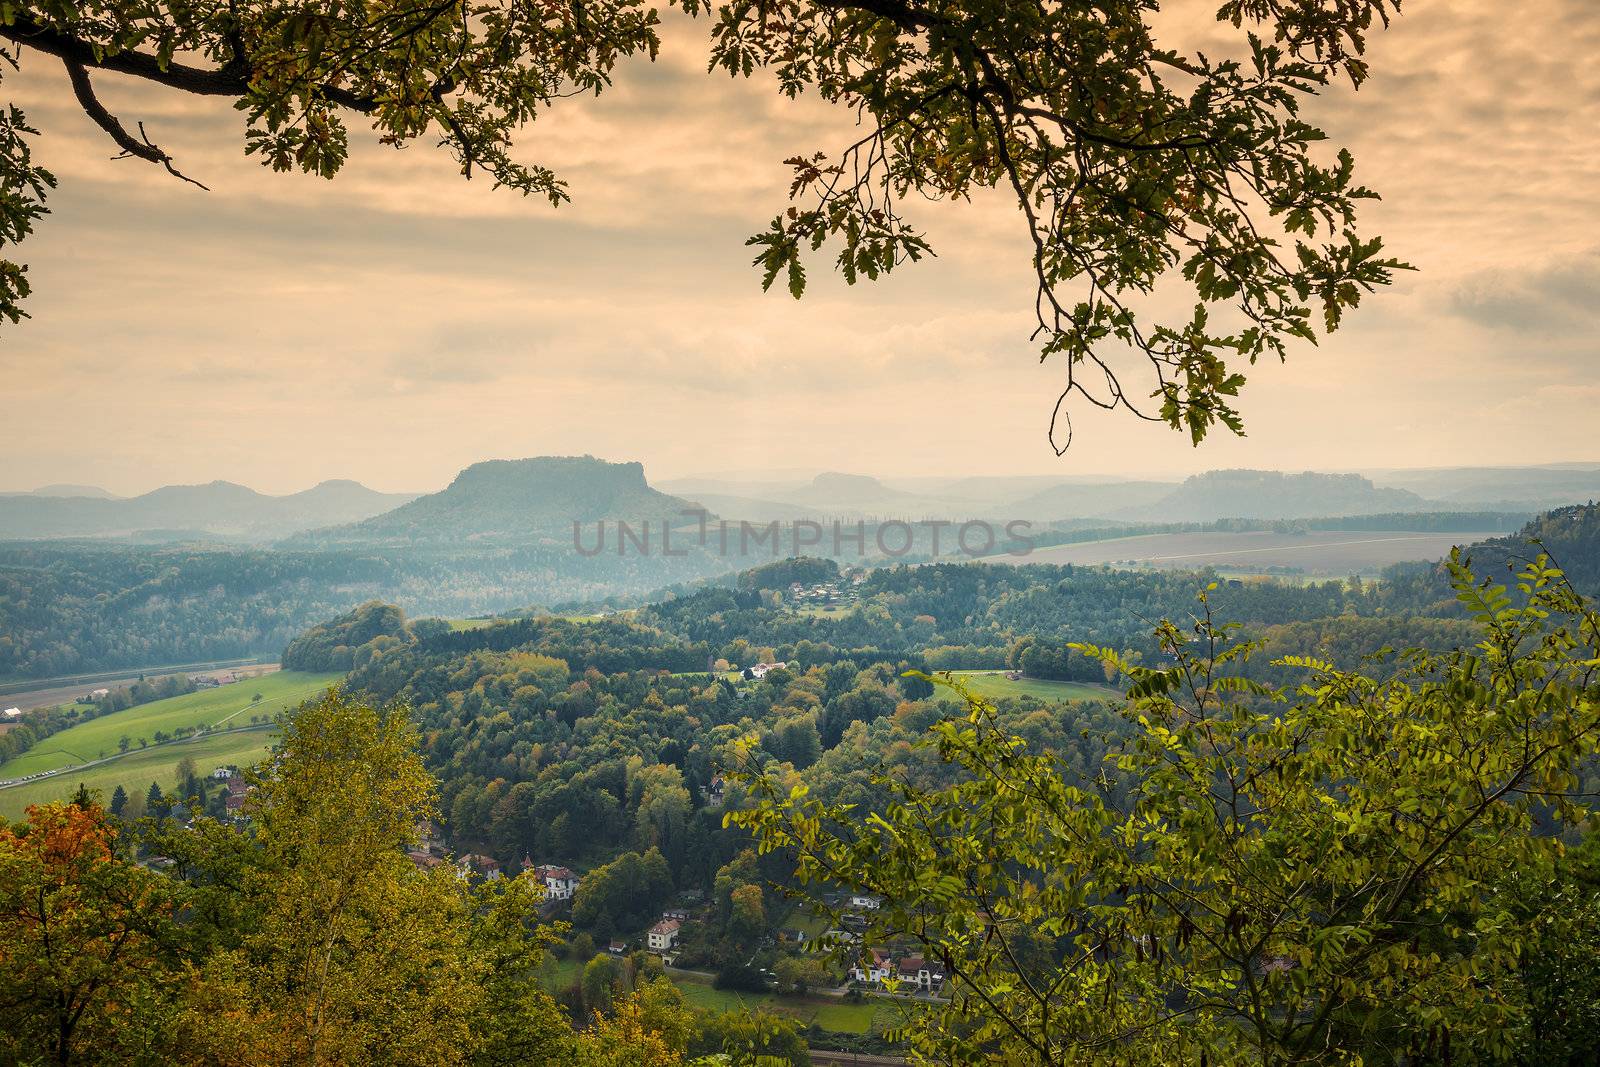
[142,148]
[232,79]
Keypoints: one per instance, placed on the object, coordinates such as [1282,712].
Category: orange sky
[397,324]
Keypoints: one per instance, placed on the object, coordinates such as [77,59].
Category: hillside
[518,501]
[1062,502]
[1570,535]
[1252,494]
[222,509]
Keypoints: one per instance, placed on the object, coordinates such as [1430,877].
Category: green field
[230,704]
[995,684]
[458,625]
[824,611]
[138,769]
[830,1013]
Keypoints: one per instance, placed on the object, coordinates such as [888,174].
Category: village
[895,970]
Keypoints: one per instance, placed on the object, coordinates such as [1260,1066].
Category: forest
[639,754]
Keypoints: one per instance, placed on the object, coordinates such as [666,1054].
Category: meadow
[995,684]
[830,1013]
[227,705]
[139,768]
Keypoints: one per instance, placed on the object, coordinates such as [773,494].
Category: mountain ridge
[517,501]
[220,508]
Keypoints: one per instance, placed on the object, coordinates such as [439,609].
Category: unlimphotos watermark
[893,538]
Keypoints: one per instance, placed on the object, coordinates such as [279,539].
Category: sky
[397,324]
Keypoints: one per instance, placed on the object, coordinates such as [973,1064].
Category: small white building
[760,669]
[914,970]
[872,968]
[663,936]
[12,713]
[866,901]
[222,773]
[560,883]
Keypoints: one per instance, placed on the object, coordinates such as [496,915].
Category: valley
[611,743]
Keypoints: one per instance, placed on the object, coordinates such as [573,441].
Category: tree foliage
[1334,873]
[80,930]
[1130,160]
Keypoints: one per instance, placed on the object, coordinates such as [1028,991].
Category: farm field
[995,684]
[138,769]
[47,692]
[1333,553]
[230,704]
[460,625]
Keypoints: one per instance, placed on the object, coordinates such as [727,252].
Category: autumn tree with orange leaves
[82,934]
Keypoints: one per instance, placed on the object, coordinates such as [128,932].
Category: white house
[222,773]
[484,865]
[663,936]
[866,901]
[914,970]
[760,669]
[559,882]
[12,713]
[872,968]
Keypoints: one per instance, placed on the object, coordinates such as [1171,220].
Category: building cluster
[836,593]
[880,968]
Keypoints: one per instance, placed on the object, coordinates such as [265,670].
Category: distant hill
[1252,494]
[1570,535]
[833,493]
[63,489]
[221,509]
[1499,488]
[1089,501]
[518,501]
[832,489]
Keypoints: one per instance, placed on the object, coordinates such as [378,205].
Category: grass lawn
[995,684]
[556,974]
[135,771]
[813,926]
[824,611]
[732,676]
[207,707]
[830,1013]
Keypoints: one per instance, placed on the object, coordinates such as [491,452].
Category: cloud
[407,322]
[1561,299]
